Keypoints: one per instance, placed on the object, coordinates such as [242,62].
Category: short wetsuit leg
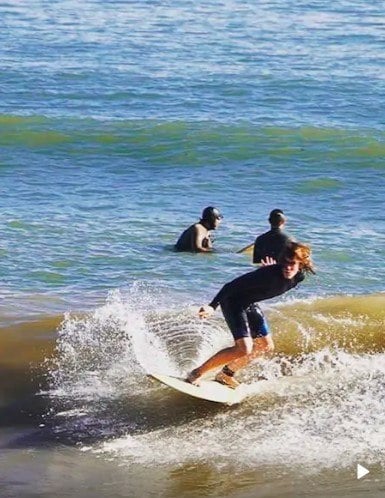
[236,319]
[257,322]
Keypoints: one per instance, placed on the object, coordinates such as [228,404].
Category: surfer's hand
[268,261]
[205,311]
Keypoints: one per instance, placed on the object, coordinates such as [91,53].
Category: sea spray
[113,348]
[320,407]
[330,417]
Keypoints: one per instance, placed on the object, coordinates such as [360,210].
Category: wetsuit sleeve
[245,284]
[221,294]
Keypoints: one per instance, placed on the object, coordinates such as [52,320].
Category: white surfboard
[208,389]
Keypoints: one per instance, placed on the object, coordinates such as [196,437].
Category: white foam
[329,419]
[329,413]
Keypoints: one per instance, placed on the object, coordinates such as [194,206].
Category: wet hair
[276,218]
[298,252]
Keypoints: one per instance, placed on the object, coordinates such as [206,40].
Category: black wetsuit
[270,244]
[238,297]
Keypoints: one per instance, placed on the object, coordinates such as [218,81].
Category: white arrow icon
[361,471]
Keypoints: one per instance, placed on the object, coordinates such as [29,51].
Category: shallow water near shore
[88,405]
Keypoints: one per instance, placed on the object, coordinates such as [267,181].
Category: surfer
[197,237]
[238,300]
[270,244]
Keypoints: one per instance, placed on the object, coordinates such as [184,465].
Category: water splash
[327,418]
[110,350]
[318,409]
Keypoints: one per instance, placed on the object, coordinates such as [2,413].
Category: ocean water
[119,122]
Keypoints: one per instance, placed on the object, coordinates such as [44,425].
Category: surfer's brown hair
[298,252]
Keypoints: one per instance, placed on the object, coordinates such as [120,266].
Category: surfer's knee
[244,346]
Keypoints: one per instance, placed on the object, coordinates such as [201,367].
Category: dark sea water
[119,122]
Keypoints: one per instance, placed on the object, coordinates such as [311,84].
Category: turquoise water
[119,122]
[89,206]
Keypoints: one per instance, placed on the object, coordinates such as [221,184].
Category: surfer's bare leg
[242,347]
[261,346]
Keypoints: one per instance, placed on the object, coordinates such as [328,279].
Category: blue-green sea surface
[119,122]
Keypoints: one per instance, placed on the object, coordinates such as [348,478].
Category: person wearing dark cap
[197,238]
[270,244]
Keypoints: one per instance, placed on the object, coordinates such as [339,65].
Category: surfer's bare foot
[227,380]
[193,377]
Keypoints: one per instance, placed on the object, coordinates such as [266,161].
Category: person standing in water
[197,238]
[246,321]
[270,244]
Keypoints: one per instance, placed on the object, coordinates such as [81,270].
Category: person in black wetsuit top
[197,238]
[243,316]
[270,244]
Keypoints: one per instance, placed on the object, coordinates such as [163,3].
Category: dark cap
[277,217]
[210,213]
